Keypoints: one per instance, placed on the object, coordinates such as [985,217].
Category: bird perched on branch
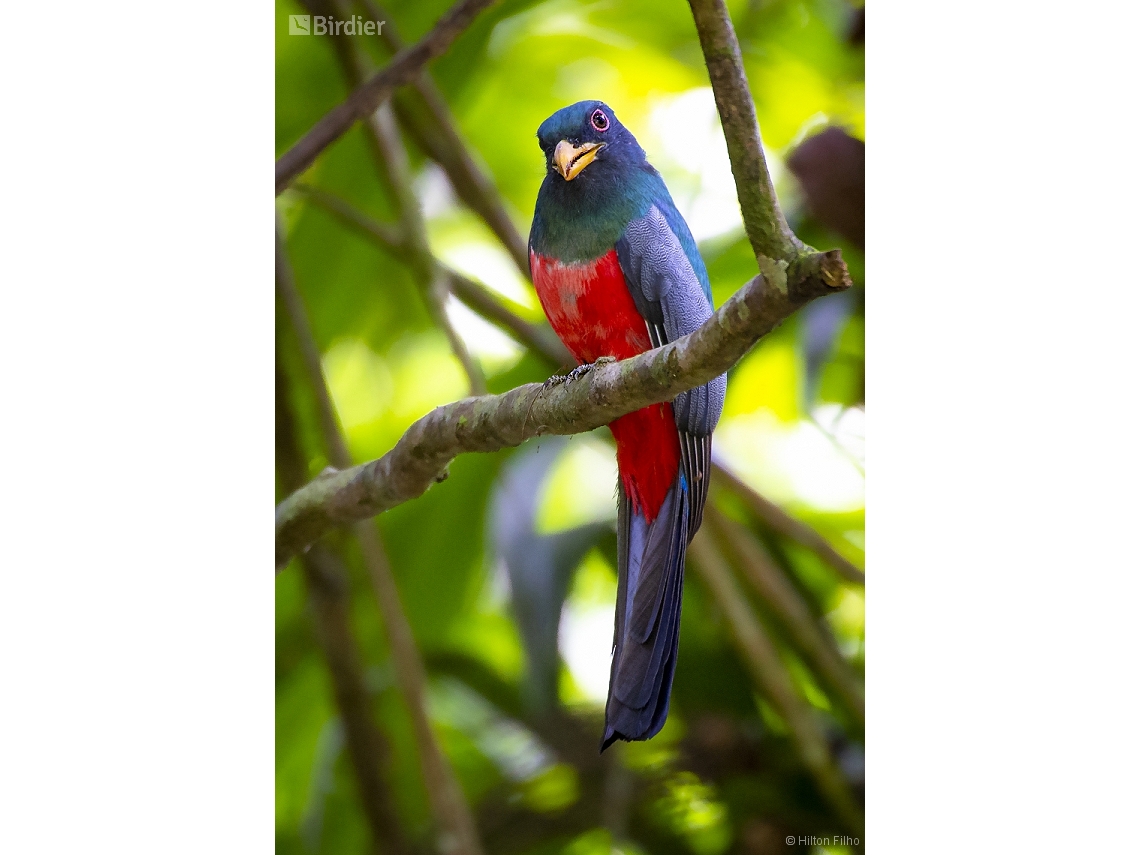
[618,273]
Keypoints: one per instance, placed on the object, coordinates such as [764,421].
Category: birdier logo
[326,25]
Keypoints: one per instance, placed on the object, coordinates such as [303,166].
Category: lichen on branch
[492,422]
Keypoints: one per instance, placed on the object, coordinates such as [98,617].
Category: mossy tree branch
[771,238]
[791,275]
[540,339]
[493,422]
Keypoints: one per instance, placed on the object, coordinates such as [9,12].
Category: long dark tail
[647,624]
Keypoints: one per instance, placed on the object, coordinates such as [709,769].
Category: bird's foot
[553,381]
[576,373]
[583,370]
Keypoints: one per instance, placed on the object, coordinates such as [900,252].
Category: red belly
[590,308]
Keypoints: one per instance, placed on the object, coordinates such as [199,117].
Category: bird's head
[586,143]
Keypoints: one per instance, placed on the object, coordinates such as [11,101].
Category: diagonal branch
[811,637]
[425,115]
[781,522]
[367,97]
[331,433]
[490,306]
[387,235]
[326,582]
[392,164]
[492,422]
[457,832]
[432,283]
[762,659]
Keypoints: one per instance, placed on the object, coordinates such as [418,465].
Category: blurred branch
[387,235]
[367,97]
[772,678]
[492,422]
[326,583]
[392,164]
[476,296]
[449,806]
[425,115]
[812,639]
[538,337]
[433,284]
[311,357]
[444,793]
[777,519]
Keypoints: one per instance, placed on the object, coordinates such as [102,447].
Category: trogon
[617,272]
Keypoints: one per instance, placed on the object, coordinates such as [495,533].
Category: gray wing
[670,296]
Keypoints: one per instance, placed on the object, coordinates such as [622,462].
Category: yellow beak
[570,160]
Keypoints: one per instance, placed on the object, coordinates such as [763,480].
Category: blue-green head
[588,134]
[597,181]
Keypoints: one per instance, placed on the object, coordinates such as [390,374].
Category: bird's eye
[599,120]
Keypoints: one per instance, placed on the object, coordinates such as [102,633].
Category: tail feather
[647,623]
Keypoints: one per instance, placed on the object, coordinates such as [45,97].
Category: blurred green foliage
[723,776]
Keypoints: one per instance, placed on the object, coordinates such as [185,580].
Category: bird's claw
[576,373]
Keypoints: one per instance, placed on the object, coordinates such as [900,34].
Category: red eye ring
[600,121]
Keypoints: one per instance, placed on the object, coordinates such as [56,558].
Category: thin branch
[367,97]
[444,793]
[777,519]
[433,285]
[387,235]
[538,337]
[489,305]
[492,422]
[764,222]
[772,678]
[459,835]
[811,638]
[830,436]
[427,118]
[326,584]
[391,160]
[311,356]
